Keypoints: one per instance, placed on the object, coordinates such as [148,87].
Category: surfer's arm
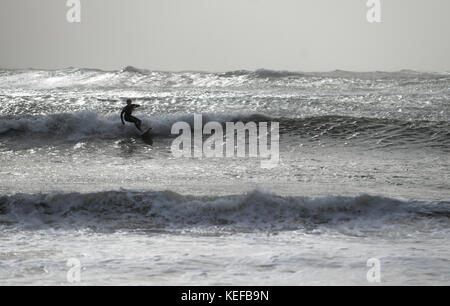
[136,105]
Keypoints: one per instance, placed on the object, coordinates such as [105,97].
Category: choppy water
[364,173]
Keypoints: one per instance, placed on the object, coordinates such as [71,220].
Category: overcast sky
[221,35]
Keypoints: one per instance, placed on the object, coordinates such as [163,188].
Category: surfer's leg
[137,122]
[134,120]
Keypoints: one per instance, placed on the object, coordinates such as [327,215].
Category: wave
[263,73]
[89,125]
[68,126]
[135,77]
[132,69]
[85,125]
[384,132]
[254,211]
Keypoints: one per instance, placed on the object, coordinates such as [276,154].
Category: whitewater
[364,174]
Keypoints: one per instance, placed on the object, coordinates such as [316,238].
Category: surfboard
[146,131]
[146,135]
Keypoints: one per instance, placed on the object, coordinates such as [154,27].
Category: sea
[360,196]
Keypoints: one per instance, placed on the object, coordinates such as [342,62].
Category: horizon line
[130,68]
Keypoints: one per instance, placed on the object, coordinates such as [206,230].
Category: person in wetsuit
[127,112]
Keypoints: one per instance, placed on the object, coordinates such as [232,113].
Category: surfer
[127,111]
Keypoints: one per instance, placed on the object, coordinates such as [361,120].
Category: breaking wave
[254,211]
[89,125]
[85,125]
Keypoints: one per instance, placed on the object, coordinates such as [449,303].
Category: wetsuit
[127,111]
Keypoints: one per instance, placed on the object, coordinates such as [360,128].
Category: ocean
[363,178]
